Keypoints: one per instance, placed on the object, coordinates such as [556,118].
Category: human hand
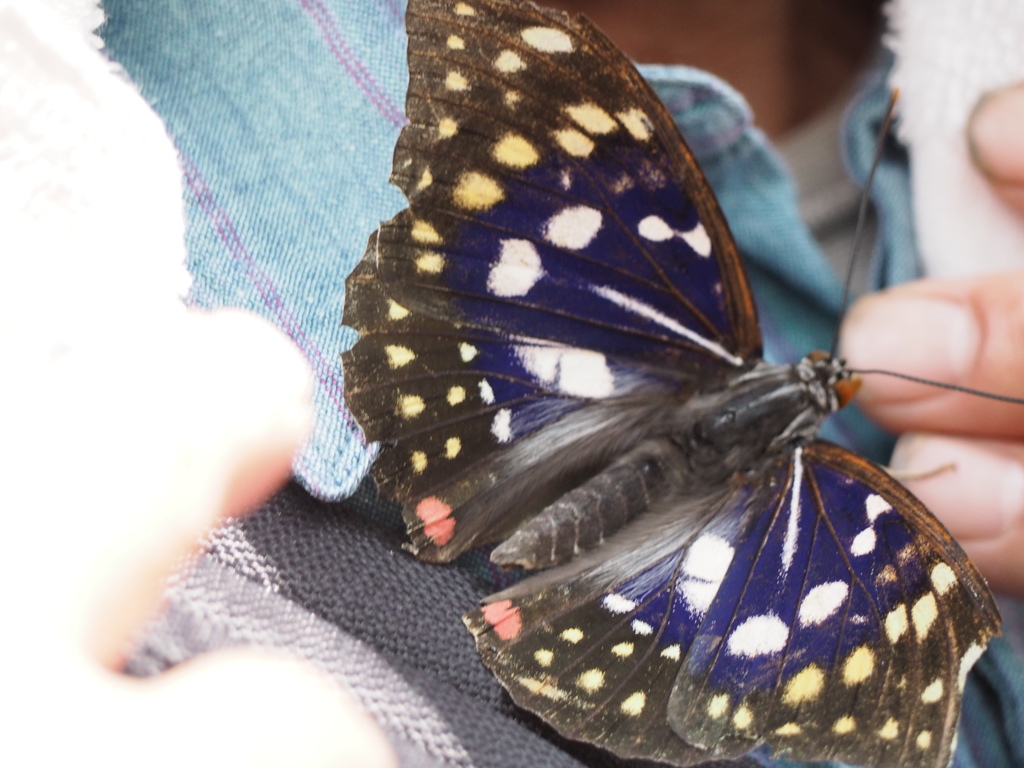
[127,427]
[966,331]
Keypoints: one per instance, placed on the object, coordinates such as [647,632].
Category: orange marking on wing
[439,525]
[504,617]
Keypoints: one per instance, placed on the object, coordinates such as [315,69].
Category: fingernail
[980,497]
[918,335]
[993,135]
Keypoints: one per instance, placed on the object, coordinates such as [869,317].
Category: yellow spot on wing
[464,9]
[634,704]
[477,192]
[544,657]
[456,81]
[456,395]
[399,356]
[456,43]
[623,650]
[743,718]
[933,692]
[446,128]
[718,705]
[512,98]
[789,729]
[422,232]
[515,151]
[574,142]
[452,447]
[467,351]
[890,730]
[924,613]
[430,262]
[509,62]
[924,739]
[592,118]
[591,681]
[805,685]
[547,39]
[636,123]
[419,461]
[410,406]
[943,578]
[859,666]
[426,179]
[572,635]
[844,725]
[396,311]
[542,688]
[896,623]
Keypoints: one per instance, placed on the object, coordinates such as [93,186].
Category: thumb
[966,332]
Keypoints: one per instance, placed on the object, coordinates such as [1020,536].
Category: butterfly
[560,354]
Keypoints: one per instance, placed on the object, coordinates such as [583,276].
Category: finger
[980,500]
[245,708]
[205,426]
[997,144]
[966,332]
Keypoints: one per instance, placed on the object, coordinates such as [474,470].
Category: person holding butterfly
[251,456]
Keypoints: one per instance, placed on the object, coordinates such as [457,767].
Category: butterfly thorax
[760,413]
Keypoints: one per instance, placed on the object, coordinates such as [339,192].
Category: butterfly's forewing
[552,197]
[561,249]
[822,610]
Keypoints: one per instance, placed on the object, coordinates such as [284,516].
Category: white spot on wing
[875,505]
[575,372]
[573,228]
[508,62]
[759,636]
[486,393]
[697,238]
[822,602]
[617,603]
[708,558]
[642,627]
[642,309]
[517,269]
[501,427]
[793,523]
[655,229]
[863,542]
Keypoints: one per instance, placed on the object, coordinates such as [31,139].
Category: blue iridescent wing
[821,609]
[561,250]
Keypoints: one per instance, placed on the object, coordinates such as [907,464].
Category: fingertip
[981,494]
[908,332]
[993,132]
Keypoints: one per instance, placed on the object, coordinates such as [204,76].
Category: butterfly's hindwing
[821,610]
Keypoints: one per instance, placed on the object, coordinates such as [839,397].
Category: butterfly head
[833,384]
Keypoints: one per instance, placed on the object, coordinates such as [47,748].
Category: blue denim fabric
[285,113]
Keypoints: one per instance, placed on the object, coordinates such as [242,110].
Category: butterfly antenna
[862,212]
[939,384]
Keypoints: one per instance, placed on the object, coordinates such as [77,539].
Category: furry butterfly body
[560,353]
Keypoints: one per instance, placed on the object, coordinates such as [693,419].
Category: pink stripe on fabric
[283,317]
[351,63]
